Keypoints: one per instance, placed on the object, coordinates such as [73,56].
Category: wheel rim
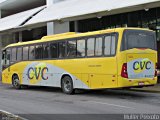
[67,85]
[16,82]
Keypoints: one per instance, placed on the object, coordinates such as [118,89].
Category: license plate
[141,83]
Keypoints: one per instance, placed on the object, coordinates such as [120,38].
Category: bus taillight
[124,71]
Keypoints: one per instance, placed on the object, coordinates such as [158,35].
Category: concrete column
[56,27]
[50,25]
[0,14]
[61,27]
[50,28]
[51,2]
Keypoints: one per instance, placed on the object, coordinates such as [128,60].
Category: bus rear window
[138,39]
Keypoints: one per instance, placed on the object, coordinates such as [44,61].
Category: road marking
[110,104]
[10,115]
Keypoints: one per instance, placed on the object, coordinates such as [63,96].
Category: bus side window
[38,51]
[8,57]
[25,53]
[113,46]
[45,51]
[81,47]
[62,49]
[31,53]
[98,46]
[54,50]
[13,55]
[90,47]
[107,44]
[71,49]
[19,54]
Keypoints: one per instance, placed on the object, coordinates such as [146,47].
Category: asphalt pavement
[45,103]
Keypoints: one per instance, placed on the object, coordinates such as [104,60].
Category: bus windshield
[5,58]
[139,39]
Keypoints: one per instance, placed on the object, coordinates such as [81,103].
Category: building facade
[32,19]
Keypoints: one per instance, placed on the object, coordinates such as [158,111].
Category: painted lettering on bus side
[37,72]
[43,72]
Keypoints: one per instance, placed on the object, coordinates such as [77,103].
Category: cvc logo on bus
[144,64]
[38,72]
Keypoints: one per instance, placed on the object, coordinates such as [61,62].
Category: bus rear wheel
[16,82]
[67,85]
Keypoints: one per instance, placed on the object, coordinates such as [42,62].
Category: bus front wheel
[67,85]
[16,82]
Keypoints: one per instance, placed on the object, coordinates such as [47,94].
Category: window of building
[31,53]
[34,34]
[158,35]
[148,18]
[38,51]
[25,53]
[158,15]
[62,49]
[54,50]
[98,47]
[45,51]
[124,18]
[134,19]
[106,22]
[158,24]
[118,21]
[152,16]
[71,49]
[113,20]
[90,47]
[19,54]
[14,55]
[81,47]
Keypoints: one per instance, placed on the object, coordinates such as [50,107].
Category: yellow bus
[113,58]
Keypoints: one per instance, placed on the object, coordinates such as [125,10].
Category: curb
[142,90]
[9,116]
[154,89]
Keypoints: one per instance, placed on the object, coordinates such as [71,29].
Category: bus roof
[70,35]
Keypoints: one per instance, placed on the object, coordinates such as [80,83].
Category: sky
[2,1]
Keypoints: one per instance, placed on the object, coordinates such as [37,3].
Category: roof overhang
[70,10]
[82,9]
[17,4]
[9,7]
[16,20]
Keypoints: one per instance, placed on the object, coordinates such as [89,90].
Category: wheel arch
[14,74]
[69,75]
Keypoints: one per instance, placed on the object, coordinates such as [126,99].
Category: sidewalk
[8,116]
[155,89]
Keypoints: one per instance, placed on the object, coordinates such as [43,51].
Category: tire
[16,82]
[67,85]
